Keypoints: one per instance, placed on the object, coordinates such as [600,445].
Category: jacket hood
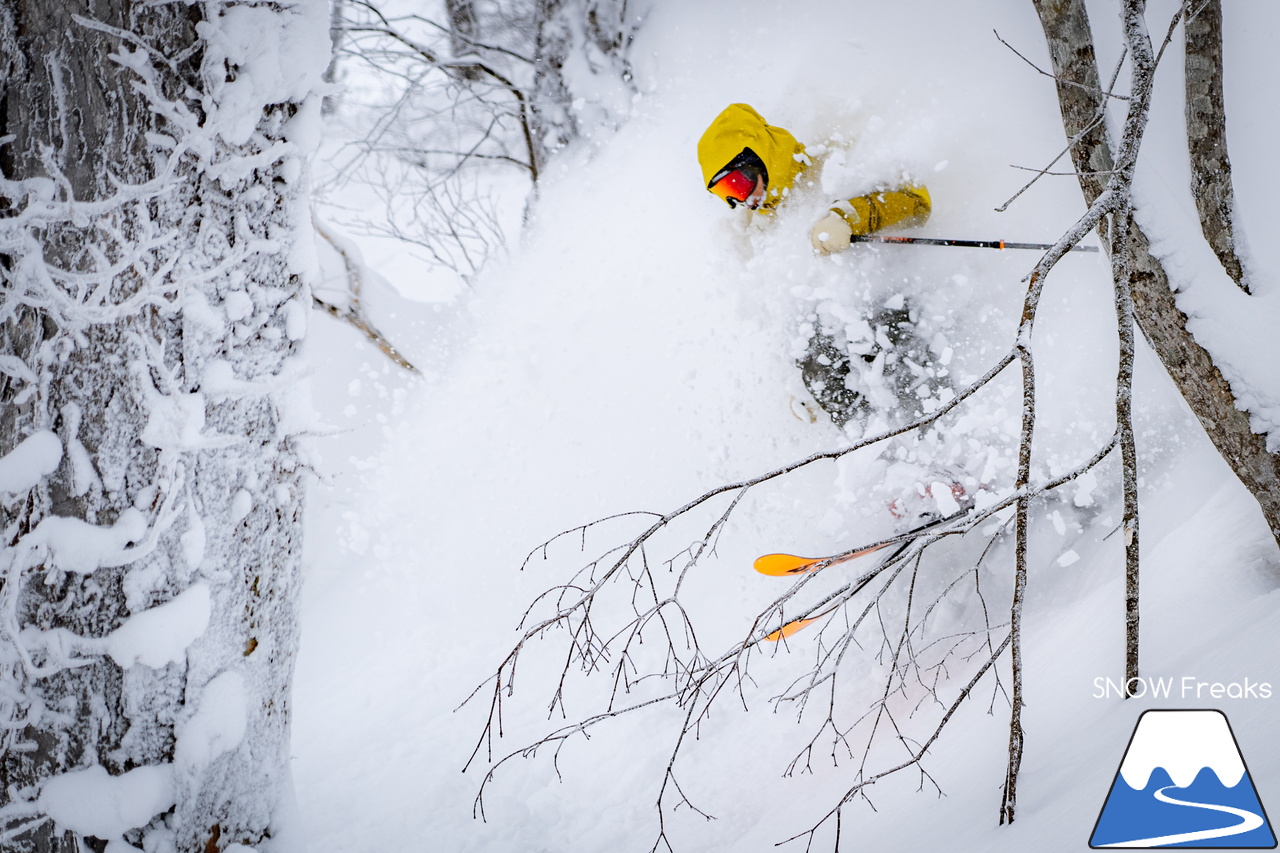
[738,127]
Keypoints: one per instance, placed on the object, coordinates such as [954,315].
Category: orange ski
[792,627]
[781,565]
[784,565]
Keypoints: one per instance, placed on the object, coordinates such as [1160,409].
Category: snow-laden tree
[455,109]
[1221,405]
[154,234]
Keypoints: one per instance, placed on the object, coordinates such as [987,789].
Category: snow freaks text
[1186,687]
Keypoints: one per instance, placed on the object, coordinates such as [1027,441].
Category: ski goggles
[734,186]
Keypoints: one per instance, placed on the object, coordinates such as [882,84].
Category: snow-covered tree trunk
[333,72]
[581,71]
[1191,366]
[153,234]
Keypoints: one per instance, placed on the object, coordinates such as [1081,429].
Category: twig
[354,314]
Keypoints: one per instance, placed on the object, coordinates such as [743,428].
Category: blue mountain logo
[1183,783]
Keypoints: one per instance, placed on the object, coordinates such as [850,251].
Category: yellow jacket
[739,126]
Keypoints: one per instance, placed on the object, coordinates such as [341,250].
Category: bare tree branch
[353,313]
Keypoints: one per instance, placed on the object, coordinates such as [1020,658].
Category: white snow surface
[93,802]
[160,635]
[176,422]
[35,457]
[635,351]
[75,545]
[273,51]
[1183,743]
[217,726]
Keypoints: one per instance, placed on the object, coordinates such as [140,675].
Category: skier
[750,163]
[747,161]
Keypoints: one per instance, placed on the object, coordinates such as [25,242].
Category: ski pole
[975,244]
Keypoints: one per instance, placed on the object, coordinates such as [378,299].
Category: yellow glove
[830,234]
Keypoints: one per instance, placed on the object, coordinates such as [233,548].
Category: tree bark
[552,119]
[149,322]
[1080,94]
[596,32]
[1206,117]
[464,30]
[337,38]
[1066,28]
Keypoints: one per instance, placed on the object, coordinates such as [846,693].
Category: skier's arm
[869,213]
[866,214]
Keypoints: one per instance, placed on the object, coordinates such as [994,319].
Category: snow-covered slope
[636,351]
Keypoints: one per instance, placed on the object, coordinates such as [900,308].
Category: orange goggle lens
[734,187]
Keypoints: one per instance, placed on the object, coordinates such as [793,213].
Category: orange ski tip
[790,628]
[780,565]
